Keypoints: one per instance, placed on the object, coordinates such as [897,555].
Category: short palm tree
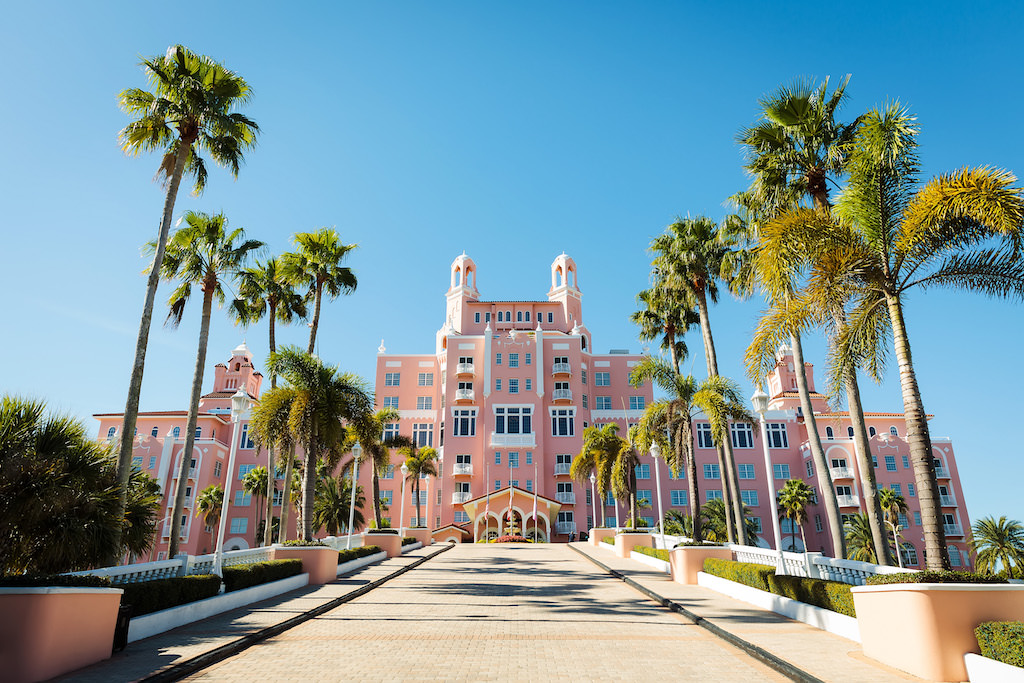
[316,264]
[205,255]
[860,543]
[624,475]
[333,503]
[998,544]
[793,499]
[191,109]
[893,505]
[600,446]
[258,482]
[210,504]
[269,427]
[370,431]
[712,515]
[422,463]
[677,523]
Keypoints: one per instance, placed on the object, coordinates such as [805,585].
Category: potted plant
[387,539]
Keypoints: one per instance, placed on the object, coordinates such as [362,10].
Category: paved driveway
[496,612]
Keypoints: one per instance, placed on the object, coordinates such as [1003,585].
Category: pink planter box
[927,628]
[46,632]
[689,560]
[597,534]
[624,543]
[321,563]
[424,535]
[389,543]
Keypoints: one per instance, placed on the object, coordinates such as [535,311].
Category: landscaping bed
[831,595]
[245,575]
[355,553]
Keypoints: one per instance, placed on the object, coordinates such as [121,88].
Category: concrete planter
[320,562]
[687,561]
[360,562]
[654,562]
[624,543]
[389,543]
[985,670]
[597,534]
[927,628]
[409,547]
[423,535]
[46,632]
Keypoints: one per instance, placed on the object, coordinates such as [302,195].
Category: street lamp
[401,514]
[760,402]
[593,499]
[356,451]
[656,452]
[239,411]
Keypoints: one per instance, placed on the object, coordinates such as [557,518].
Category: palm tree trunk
[268,532]
[286,495]
[632,499]
[376,499]
[919,441]
[691,474]
[416,482]
[316,316]
[825,485]
[193,418]
[309,484]
[131,408]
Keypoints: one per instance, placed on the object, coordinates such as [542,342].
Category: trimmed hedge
[152,596]
[928,576]
[246,575]
[610,540]
[355,553]
[830,595]
[659,553]
[298,542]
[409,540]
[55,580]
[1002,641]
[633,531]
[697,544]
[382,530]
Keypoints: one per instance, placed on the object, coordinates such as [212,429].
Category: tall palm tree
[190,110]
[712,516]
[258,482]
[269,426]
[893,505]
[666,318]
[210,504]
[263,291]
[600,446]
[323,398]
[422,463]
[624,475]
[369,430]
[793,499]
[202,254]
[860,542]
[691,257]
[333,502]
[316,263]
[998,543]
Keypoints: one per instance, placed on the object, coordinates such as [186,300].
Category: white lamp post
[656,452]
[760,401]
[356,452]
[239,411]
[401,514]
[439,483]
[593,498]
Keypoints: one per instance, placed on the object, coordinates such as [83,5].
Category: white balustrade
[561,395]
[464,368]
[848,501]
[462,468]
[814,565]
[565,527]
[566,497]
[561,468]
[947,500]
[461,496]
[953,530]
[840,473]
[561,369]
[941,472]
[464,394]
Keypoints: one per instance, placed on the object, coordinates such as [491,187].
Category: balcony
[561,468]
[941,473]
[840,473]
[953,530]
[947,501]
[461,497]
[565,528]
[567,497]
[848,501]
[460,468]
[464,395]
[465,369]
[561,395]
[561,369]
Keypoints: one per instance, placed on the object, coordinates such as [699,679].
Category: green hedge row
[929,576]
[409,540]
[355,553]
[1002,641]
[659,553]
[59,580]
[300,543]
[152,596]
[246,575]
[610,540]
[830,595]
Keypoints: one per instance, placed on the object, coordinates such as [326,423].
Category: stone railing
[814,565]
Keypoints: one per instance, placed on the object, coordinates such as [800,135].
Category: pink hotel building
[504,398]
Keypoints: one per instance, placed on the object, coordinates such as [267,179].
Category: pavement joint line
[785,668]
[180,670]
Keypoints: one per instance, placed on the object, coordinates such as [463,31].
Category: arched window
[458,277]
[238,366]
[177,432]
[829,434]
[894,431]
[871,431]
[519,316]
[156,430]
[954,556]
[508,316]
[527,316]
[583,342]
[501,316]
[111,432]
[849,432]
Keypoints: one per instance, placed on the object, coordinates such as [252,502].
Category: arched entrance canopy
[494,506]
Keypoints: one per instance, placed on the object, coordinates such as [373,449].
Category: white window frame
[425,379]
[392,379]
[742,434]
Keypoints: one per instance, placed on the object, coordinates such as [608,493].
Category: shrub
[58,580]
[146,597]
[384,531]
[830,595]
[299,543]
[409,540]
[512,539]
[659,553]
[633,531]
[755,575]
[610,540]
[356,553]
[929,576]
[246,575]
[697,544]
[1002,641]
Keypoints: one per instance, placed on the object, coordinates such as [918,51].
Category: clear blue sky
[512,131]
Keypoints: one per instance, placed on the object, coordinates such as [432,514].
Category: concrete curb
[778,664]
[190,666]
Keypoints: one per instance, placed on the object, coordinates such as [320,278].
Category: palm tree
[316,264]
[210,504]
[258,482]
[202,254]
[421,463]
[690,257]
[793,498]
[665,317]
[269,426]
[333,502]
[893,505]
[998,543]
[677,523]
[600,446]
[860,542]
[263,291]
[323,398]
[623,467]
[377,448]
[190,110]
[712,515]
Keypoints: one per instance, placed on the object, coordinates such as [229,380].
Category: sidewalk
[145,658]
[813,651]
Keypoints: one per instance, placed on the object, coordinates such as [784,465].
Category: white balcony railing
[464,369]
[566,497]
[840,473]
[462,468]
[461,496]
[848,501]
[513,440]
[561,468]
[561,368]
[941,473]
[947,501]
[561,395]
[565,528]
[464,395]
[953,530]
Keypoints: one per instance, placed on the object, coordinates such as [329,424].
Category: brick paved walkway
[496,612]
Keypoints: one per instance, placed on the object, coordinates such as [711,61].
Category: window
[461,517]
[777,436]
[217,469]
[244,470]
[903,521]
[749,497]
[609,499]
[152,462]
[278,496]
[898,489]
[893,431]
[562,420]
[711,471]
[513,384]
[742,435]
[497,484]
[239,525]
[513,420]
[476,317]
[551,317]
[849,432]
[585,401]
[391,379]
[583,376]
[529,356]
[890,463]
[497,384]
[917,518]
[423,434]
[909,553]
[529,457]
[678,497]
[513,360]
[423,498]
[704,438]
[389,472]
[874,461]
[497,356]
[954,556]
[137,462]
[711,495]
[111,432]
[390,431]
[424,402]
[242,498]
[871,431]
[755,522]
[497,457]
[154,432]
[464,423]
[391,402]
[780,470]
[177,432]
[529,484]
[643,471]
[809,466]
[906,463]
[786,526]
[513,459]
[386,496]
[425,379]
[636,402]
[829,434]
[501,318]
[746,471]
[602,379]
[529,384]
[519,316]
[246,440]
[817,523]
[199,432]
[602,403]
[911,491]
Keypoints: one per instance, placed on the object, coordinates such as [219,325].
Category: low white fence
[814,565]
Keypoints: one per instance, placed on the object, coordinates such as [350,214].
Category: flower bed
[830,595]
[512,539]
[1002,641]
[245,575]
[299,543]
